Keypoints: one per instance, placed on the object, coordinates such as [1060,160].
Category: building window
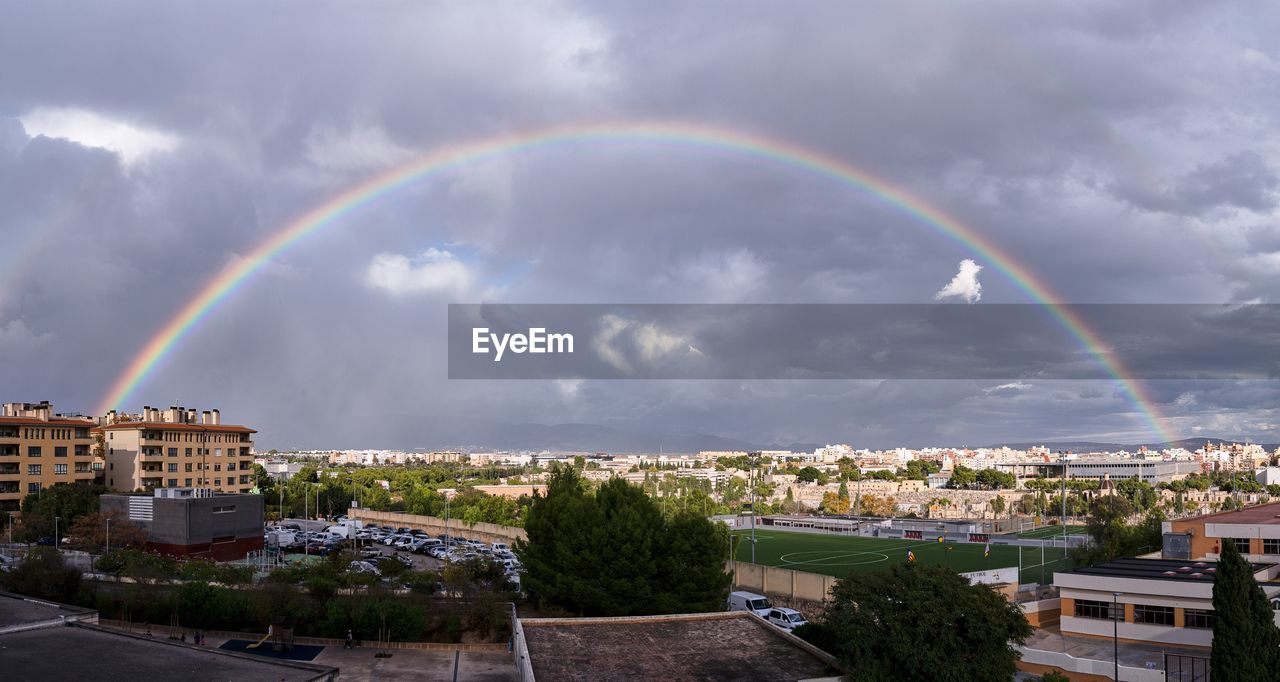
[173,452]
[226,509]
[1199,619]
[33,487]
[173,483]
[34,469]
[217,467]
[1242,544]
[59,451]
[60,470]
[1271,546]
[188,454]
[173,467]
[1093,609]
[33,450]
[186,482]
[1153,615]
[217,452]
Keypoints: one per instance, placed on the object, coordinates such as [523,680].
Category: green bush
[199,604]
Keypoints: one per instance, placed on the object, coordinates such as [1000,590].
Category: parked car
[749,601]
[499,547]
[363,567]
[787,619]
[424,545]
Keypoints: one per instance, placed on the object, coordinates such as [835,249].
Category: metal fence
[1186,668]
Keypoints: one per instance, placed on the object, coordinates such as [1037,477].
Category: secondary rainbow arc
[233,275]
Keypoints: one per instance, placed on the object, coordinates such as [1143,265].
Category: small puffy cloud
[432,271]
[964,285]
[620,342]
[92,129]
[16,336]
[357,148]
[1007,389]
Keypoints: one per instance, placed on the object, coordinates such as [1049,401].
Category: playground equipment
[270,631]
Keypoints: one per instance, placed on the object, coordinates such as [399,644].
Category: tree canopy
[915,622]
[615,554]
[1246,642]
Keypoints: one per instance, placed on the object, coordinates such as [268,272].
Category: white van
[749,601]
[499,547]
[787,619]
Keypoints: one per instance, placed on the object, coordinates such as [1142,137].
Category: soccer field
[838,555]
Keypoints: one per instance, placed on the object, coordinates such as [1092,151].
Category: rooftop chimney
[205,417]
[217,418]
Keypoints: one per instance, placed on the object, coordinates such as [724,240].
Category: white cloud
[433,271]
[92,129]
[17,336]
[1007,388]
[358,148]
[964,285]
[651,343]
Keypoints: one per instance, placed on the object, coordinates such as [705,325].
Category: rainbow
[662,132]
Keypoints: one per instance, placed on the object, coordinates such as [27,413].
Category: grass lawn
[1046,532]
[838,555]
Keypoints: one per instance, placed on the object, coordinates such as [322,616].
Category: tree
[997,505]
[810,475]
[963,477]
[614,554]
[42,574]
[832,503]
[915,622]
[91,533]
[67,502]
[1246,643]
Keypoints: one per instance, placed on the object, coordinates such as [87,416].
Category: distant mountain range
[434,433]
[1092,446]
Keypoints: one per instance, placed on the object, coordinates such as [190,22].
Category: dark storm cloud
[1121,152]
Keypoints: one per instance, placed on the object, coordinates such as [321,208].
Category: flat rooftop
[705,646]
[1187,570]
[38,644]
[1266,514]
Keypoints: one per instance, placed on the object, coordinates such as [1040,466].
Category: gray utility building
[194,522]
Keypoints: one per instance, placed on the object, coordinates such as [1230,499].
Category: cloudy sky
[1121,152]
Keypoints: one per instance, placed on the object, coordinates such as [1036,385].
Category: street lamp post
[1115,632]
[56,545]
[108,549]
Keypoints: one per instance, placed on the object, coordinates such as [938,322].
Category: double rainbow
[659,132]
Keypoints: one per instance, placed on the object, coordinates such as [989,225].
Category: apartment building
[176,448]
[39,449]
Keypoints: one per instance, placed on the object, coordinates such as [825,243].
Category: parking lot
[298,538]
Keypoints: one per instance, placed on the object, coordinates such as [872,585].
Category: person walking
[350,640]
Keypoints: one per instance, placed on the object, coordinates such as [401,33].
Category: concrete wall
[484,532]
[784,582]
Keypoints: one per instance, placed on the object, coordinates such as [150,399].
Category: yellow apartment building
[176,448]
[39,449]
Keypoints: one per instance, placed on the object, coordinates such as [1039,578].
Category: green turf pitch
[1047,532]
[837,555]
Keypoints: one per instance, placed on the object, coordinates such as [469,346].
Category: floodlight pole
[751,473]
[1115,633]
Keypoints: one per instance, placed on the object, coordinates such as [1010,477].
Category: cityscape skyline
[1096,179]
